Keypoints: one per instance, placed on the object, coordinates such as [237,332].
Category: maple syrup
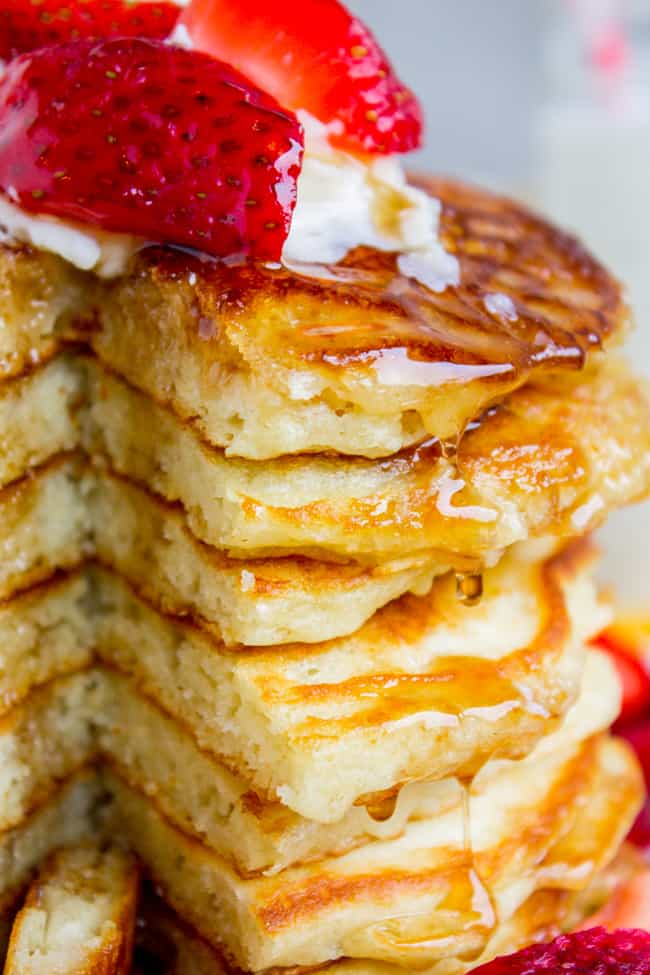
[469,588]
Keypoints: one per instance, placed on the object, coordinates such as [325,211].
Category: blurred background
[548,100]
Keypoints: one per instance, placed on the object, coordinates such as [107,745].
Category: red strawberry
[638,736]
[135,136]
[629,907]
[635,682]
[313,55]
[626,643]
[28,24]
[592,952]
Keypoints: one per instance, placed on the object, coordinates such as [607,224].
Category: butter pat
[86,247]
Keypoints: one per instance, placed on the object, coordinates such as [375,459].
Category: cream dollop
[342,202]
[345,202]
[88,248]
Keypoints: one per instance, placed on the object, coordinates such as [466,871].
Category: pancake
[43,742]
[252,602]
[65,817]
[45,632]
[437,891]
[38,417]
[44,525]
[160,758]
[511,812]
[41,297]
[553,458]
[267,678]
[357,358]
[167,945]
[79,916]
[427,688]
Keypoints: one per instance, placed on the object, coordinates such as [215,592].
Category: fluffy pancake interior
[533,464]
[356,358]
[79,916]
[347,906]
[319,727]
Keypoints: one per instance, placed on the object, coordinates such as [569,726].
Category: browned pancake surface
[307,356]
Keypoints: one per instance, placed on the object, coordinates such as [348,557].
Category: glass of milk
[593,176]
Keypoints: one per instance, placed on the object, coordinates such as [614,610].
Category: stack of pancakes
[297,592]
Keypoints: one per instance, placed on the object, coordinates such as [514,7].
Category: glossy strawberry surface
[629,907]
[315,56]
[637,735]
[135,136]
[592,952]
[635,681]
[626,643]
[28,24]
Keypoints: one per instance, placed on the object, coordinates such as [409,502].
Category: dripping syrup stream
[469,588]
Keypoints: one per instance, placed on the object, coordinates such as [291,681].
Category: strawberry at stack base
[593,952]
[627,643]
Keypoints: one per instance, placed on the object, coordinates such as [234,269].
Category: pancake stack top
[297,595]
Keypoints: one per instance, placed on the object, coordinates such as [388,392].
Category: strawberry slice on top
[313,56]
[29,24]
[138,137]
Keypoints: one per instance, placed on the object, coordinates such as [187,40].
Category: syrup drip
[383,809]
[467,817]
[559,303]
[462,922]
[449,448]
[469,588]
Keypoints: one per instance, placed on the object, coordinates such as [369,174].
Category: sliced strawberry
[315,56]
[629,907]
[630,633]
[638,736]
[29,24]
[592,952]
[635,682]
[626,642]
[135,136]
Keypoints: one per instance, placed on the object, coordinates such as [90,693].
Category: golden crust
[252,602]
[78,917]
[168,945]
[41,297]
[348,907]
[321,726]
[356,358]
[553,458]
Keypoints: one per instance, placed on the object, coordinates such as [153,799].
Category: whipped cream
[342,202]
[345,202]
[88,248]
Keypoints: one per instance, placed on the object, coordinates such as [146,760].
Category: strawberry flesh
[315,56]
[634,678]
[638,737]
[135,136]
[591,952]
[26,25]
[627,651]
[628,907]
